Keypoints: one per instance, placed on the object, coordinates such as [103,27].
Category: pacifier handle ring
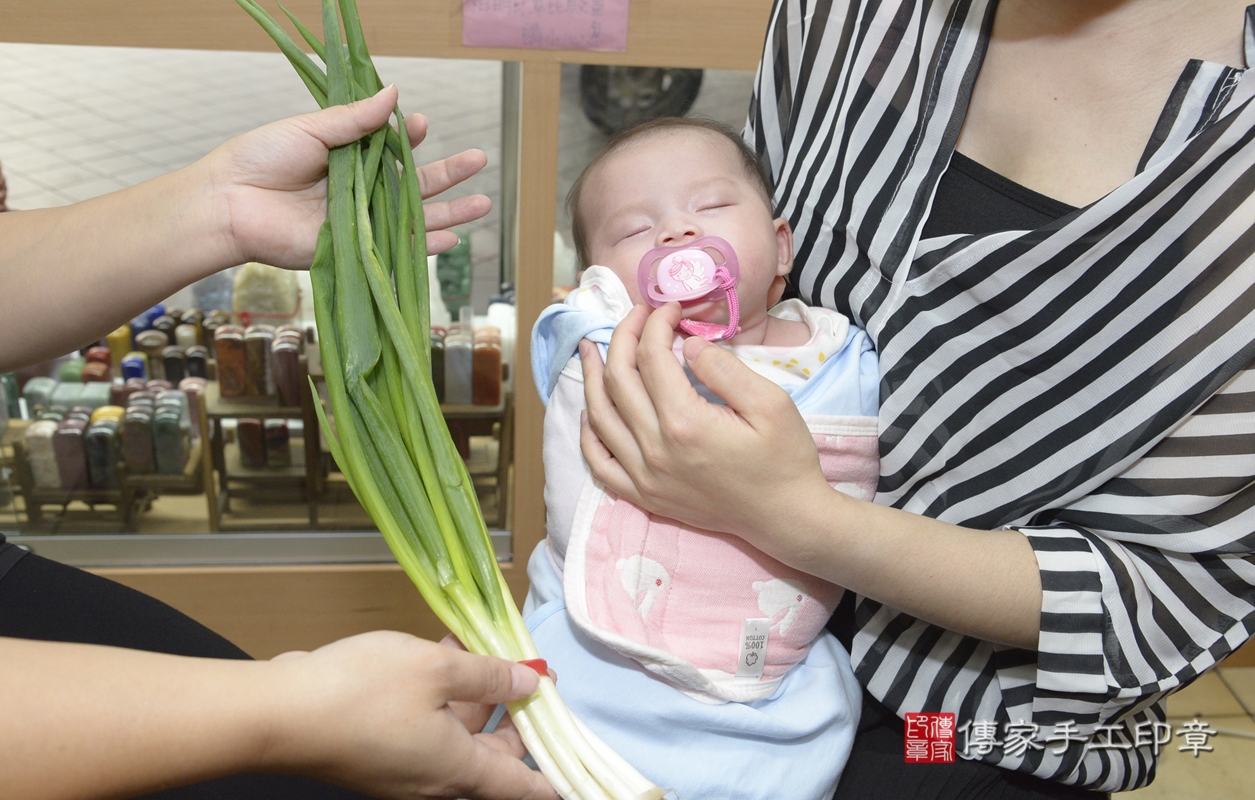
[711,331]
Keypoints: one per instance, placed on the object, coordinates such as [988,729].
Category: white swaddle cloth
[792,725]
[703,609]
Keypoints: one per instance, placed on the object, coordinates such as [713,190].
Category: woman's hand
[750,468]
[395,716]
[379,713]
[71,274]
[649,437]
[273,181]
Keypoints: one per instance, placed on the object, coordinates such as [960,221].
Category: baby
[702,661]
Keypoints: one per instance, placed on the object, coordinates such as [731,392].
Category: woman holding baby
[1039,214]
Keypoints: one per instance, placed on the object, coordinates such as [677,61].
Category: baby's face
[676,186]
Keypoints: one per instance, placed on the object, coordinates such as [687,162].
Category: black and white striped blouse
[1087,382]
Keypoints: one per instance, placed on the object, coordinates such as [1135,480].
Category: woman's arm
[71,274]
[650,438]
[1142,584]
[376,713]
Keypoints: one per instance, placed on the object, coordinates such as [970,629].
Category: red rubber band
[539,665]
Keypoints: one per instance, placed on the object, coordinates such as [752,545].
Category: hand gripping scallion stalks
[370,299]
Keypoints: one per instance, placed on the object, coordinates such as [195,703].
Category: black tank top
[970,198]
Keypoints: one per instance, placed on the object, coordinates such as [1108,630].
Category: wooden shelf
[60,497]
[237,471]
[469,411]
[125,499]
[15,433]
[190,481]
[261,406]
[306,472]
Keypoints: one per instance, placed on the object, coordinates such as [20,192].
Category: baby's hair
[749,159]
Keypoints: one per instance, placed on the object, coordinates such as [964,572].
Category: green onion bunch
[370,300]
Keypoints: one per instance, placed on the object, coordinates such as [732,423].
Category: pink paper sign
[546,24]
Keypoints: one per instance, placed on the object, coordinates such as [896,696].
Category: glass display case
[261,465]
[257,534]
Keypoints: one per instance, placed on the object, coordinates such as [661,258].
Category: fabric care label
[753,648]
[546,24]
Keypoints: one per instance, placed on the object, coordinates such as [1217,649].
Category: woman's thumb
[483,679]
[744,390]
[337,125]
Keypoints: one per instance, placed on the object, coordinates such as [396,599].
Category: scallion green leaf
[389,436]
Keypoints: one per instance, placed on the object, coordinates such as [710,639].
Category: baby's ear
[784,249]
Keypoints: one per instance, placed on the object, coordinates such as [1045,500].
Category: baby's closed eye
[714,205]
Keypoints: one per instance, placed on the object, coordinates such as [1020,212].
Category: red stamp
[929,738]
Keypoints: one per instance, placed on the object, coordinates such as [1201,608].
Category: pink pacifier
[689,273]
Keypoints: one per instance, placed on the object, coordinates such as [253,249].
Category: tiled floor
[77,122]
[1225,700]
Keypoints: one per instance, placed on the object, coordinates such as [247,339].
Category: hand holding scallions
[390,438]
[260,196]
[379,713]
[271,183]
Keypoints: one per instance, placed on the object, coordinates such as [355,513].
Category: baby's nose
[678,232]
[679,237]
